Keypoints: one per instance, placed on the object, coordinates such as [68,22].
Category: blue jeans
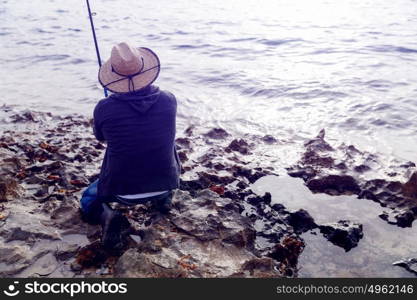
[91,204]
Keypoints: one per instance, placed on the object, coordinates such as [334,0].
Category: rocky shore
[218,226]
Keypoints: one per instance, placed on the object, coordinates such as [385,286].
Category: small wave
[317,93]
[378,83]
[191,46]
[231,49]
[40,30]
[268,93]
[77,61]
[379,122]
[391,48]
[175,32]
[241,40]
[40,58]
[220,23]
[180,32]
[278,42]
[325,51]
[349,40]
[382,107]
[406,50]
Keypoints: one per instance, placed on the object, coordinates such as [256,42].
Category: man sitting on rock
[138,123]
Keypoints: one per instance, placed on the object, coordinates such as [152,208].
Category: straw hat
[129,69]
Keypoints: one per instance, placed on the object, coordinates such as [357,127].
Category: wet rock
[183,143]
[344,233]
[375,184]
[278,207]
[256,200]
[34,180]
[92,255]
[341,170]
[367,194]
[190,130]
[13,262]
[410,264]
[182,156]
[341,166]
[42,192]
[10,164]
[249,174]
[204,181]
[26,116]
[238,145]
[394,186]
[203,236]
[18,234]
[217,133]
[388,217]
[11,254]
[269,139]
[217,189]
[139,265]
[405,219]
[43,266]
[208,217]
[287,252]
[100,146]
[362,168]
[66,251]
[314,159]
[66,215]
[304,173]
[301,221]
[9,189]
[410,187]
[260,268]
[337,183]
[82,182]
[318,143]
[240,196]
[408,164]
[48,147]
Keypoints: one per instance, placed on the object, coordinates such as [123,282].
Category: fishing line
[95,38]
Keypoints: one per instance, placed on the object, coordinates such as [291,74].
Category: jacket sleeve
[177,158]
[97,128]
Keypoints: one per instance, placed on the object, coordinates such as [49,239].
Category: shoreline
[46,166]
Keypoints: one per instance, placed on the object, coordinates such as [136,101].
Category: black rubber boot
[94,215]
[113,223]
[163,205]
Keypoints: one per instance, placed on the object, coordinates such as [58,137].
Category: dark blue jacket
[139,128]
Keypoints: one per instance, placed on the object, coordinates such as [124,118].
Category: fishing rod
[95,39]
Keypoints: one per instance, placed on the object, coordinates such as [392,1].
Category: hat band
[130,77]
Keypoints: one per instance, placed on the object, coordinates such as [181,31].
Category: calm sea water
[283,67]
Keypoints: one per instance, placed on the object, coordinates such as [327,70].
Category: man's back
[139,128]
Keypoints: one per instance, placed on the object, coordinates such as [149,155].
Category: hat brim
[111,81]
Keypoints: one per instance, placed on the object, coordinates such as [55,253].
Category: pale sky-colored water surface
[287,68]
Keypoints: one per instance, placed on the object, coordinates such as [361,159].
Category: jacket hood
[141,100]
